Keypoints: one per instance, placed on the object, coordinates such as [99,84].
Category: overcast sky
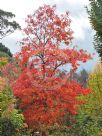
[83,32]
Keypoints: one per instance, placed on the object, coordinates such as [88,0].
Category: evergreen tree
[6,25]
[95,16]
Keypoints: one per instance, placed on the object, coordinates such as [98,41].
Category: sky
[83,33]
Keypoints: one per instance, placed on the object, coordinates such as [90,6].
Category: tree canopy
[7,26]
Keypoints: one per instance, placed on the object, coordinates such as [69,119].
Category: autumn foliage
[46,96]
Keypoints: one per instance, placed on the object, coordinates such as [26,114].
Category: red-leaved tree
[46,96]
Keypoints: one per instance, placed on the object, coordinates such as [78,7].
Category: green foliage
[4,50]
[88,122]
[5,55]
[6,100]
[94,100]
[17,119]
[85,125]
[89,119]
[95,16]
[11,120]
[11,126]
[6,127]
[59,131]
[3,61]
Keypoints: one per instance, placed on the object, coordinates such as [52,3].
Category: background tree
[94,106]
[5,56]
[7,26]
[80,77]
[46,96]
[11,120]
[89,119]
[5,50]
[95,16]
[83,77]
[74,76]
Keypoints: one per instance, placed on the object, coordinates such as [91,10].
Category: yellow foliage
[94,100]
[2,84]
[3,61]
[98,67]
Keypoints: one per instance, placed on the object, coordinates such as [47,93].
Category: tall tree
[95,16]
[7,26]
[46,96]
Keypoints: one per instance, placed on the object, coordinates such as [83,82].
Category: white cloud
[78,2]
[23,7]
[79,25]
